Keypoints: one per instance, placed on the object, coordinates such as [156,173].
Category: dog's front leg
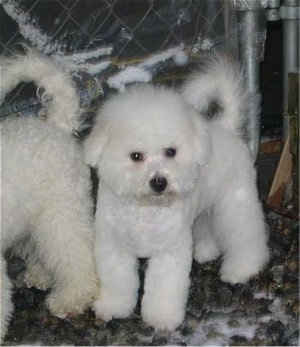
[119,280]
[166,289]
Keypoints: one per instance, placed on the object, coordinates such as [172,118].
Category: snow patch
[91,68]
[129,75]
[219,331]
[82,57]
[181,58]
[262,295]
[206,45]
[142,72]
[29,29]
[162,56]
[203,44]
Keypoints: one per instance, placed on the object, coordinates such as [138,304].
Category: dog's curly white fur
[45,192]
[64,110]
[169,179]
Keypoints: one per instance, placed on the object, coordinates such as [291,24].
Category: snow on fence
[107,44]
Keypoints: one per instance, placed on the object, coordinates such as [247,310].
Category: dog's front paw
[163,316]
[109,306]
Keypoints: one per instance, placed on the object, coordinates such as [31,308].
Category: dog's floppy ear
[202,140]
[94,144]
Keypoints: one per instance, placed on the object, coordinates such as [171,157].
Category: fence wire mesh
[135,28]
[107,44]
[120,41]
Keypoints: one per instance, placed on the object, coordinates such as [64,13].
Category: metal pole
[251,18]
[289,12]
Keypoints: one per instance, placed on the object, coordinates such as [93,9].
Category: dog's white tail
[56,85]
[222,82]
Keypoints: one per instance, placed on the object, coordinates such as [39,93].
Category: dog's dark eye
[170,152]
[137,156]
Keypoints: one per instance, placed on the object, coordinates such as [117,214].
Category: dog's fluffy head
[148,144]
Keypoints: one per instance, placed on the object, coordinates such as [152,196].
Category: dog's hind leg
[239,222]
[64,242]
[205,246]
[36,275]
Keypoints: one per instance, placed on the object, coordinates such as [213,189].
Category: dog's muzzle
[158,184]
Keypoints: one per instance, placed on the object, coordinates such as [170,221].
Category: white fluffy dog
[45,192]
[172,183]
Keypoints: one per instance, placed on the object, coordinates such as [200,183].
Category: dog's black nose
[158,184]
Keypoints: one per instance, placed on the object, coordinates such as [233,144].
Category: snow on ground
[218,332]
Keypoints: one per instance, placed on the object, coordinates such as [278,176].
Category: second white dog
[46,210]
[164,171]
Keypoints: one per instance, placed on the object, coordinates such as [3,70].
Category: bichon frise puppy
[45,192]
[172,182]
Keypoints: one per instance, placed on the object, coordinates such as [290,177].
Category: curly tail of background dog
[55,87]
[220,81]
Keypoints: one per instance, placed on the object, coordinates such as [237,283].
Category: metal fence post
[289,12]
[251,37]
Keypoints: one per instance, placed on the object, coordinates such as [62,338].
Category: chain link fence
[107,44]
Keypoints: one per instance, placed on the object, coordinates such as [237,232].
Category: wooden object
[281,178]
[287,169]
